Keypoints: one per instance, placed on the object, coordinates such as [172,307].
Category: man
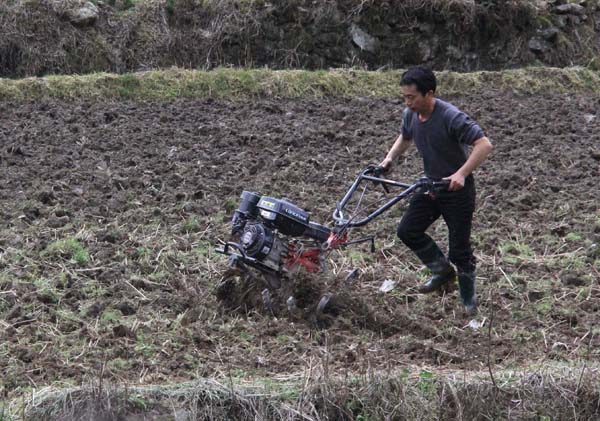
[443,135]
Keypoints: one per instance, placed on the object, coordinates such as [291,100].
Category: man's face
[414,99]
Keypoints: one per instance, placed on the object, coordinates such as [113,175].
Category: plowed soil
[110,214]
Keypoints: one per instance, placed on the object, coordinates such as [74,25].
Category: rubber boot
[439,280]
[466,286]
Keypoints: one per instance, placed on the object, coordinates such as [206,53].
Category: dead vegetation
[548,393]
[37,38]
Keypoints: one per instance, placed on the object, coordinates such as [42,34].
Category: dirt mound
[318,299]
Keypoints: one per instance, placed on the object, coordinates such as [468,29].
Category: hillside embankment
[119,36]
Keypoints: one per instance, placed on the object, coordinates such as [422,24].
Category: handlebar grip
[378,170]
[441,185]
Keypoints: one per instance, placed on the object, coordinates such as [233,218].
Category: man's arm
[399,147]
[481,149]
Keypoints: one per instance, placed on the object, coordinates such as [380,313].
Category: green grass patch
[191,224]
[246,83]
[118,364]
[544,306]
[46,290]
[70,249]
[573,236]
[358,257]
[514,251]
[203,248]
[111,316]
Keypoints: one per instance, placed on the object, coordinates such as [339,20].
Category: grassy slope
[239,83]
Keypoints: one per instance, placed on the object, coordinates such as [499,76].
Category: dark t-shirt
[443,140]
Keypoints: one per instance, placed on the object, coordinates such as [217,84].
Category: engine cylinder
[247,210]
[248,203]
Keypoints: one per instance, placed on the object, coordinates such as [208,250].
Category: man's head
[418,86]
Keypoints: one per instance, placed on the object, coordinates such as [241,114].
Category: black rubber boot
[439,280]
[466,286]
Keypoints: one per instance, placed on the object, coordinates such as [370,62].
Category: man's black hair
[420,76]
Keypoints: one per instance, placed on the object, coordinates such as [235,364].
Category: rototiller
[275,236]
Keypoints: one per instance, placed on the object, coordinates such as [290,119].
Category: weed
[282,339]
[360,258]
[238,373]
[404,375]
[118,364]
[63,279]
[230,205]
[143,347]
[203,248]
[143,253]
[221,216]
[566,311]
[574,263]
[583,294]
[46,290]
[544,306]
[246,336]
[289,393]
[191,225]
[111,316]
[426,382]
[68,248]
[138,401]
[81,256]
[521,336]
[514,251]
[158,276]
[572,236]
[93,290]
[286,391]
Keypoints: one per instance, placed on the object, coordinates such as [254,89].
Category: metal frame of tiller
[422,185]
[310,258]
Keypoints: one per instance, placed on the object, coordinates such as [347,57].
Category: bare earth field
[110,214]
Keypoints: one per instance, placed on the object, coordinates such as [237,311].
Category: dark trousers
[457,210]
